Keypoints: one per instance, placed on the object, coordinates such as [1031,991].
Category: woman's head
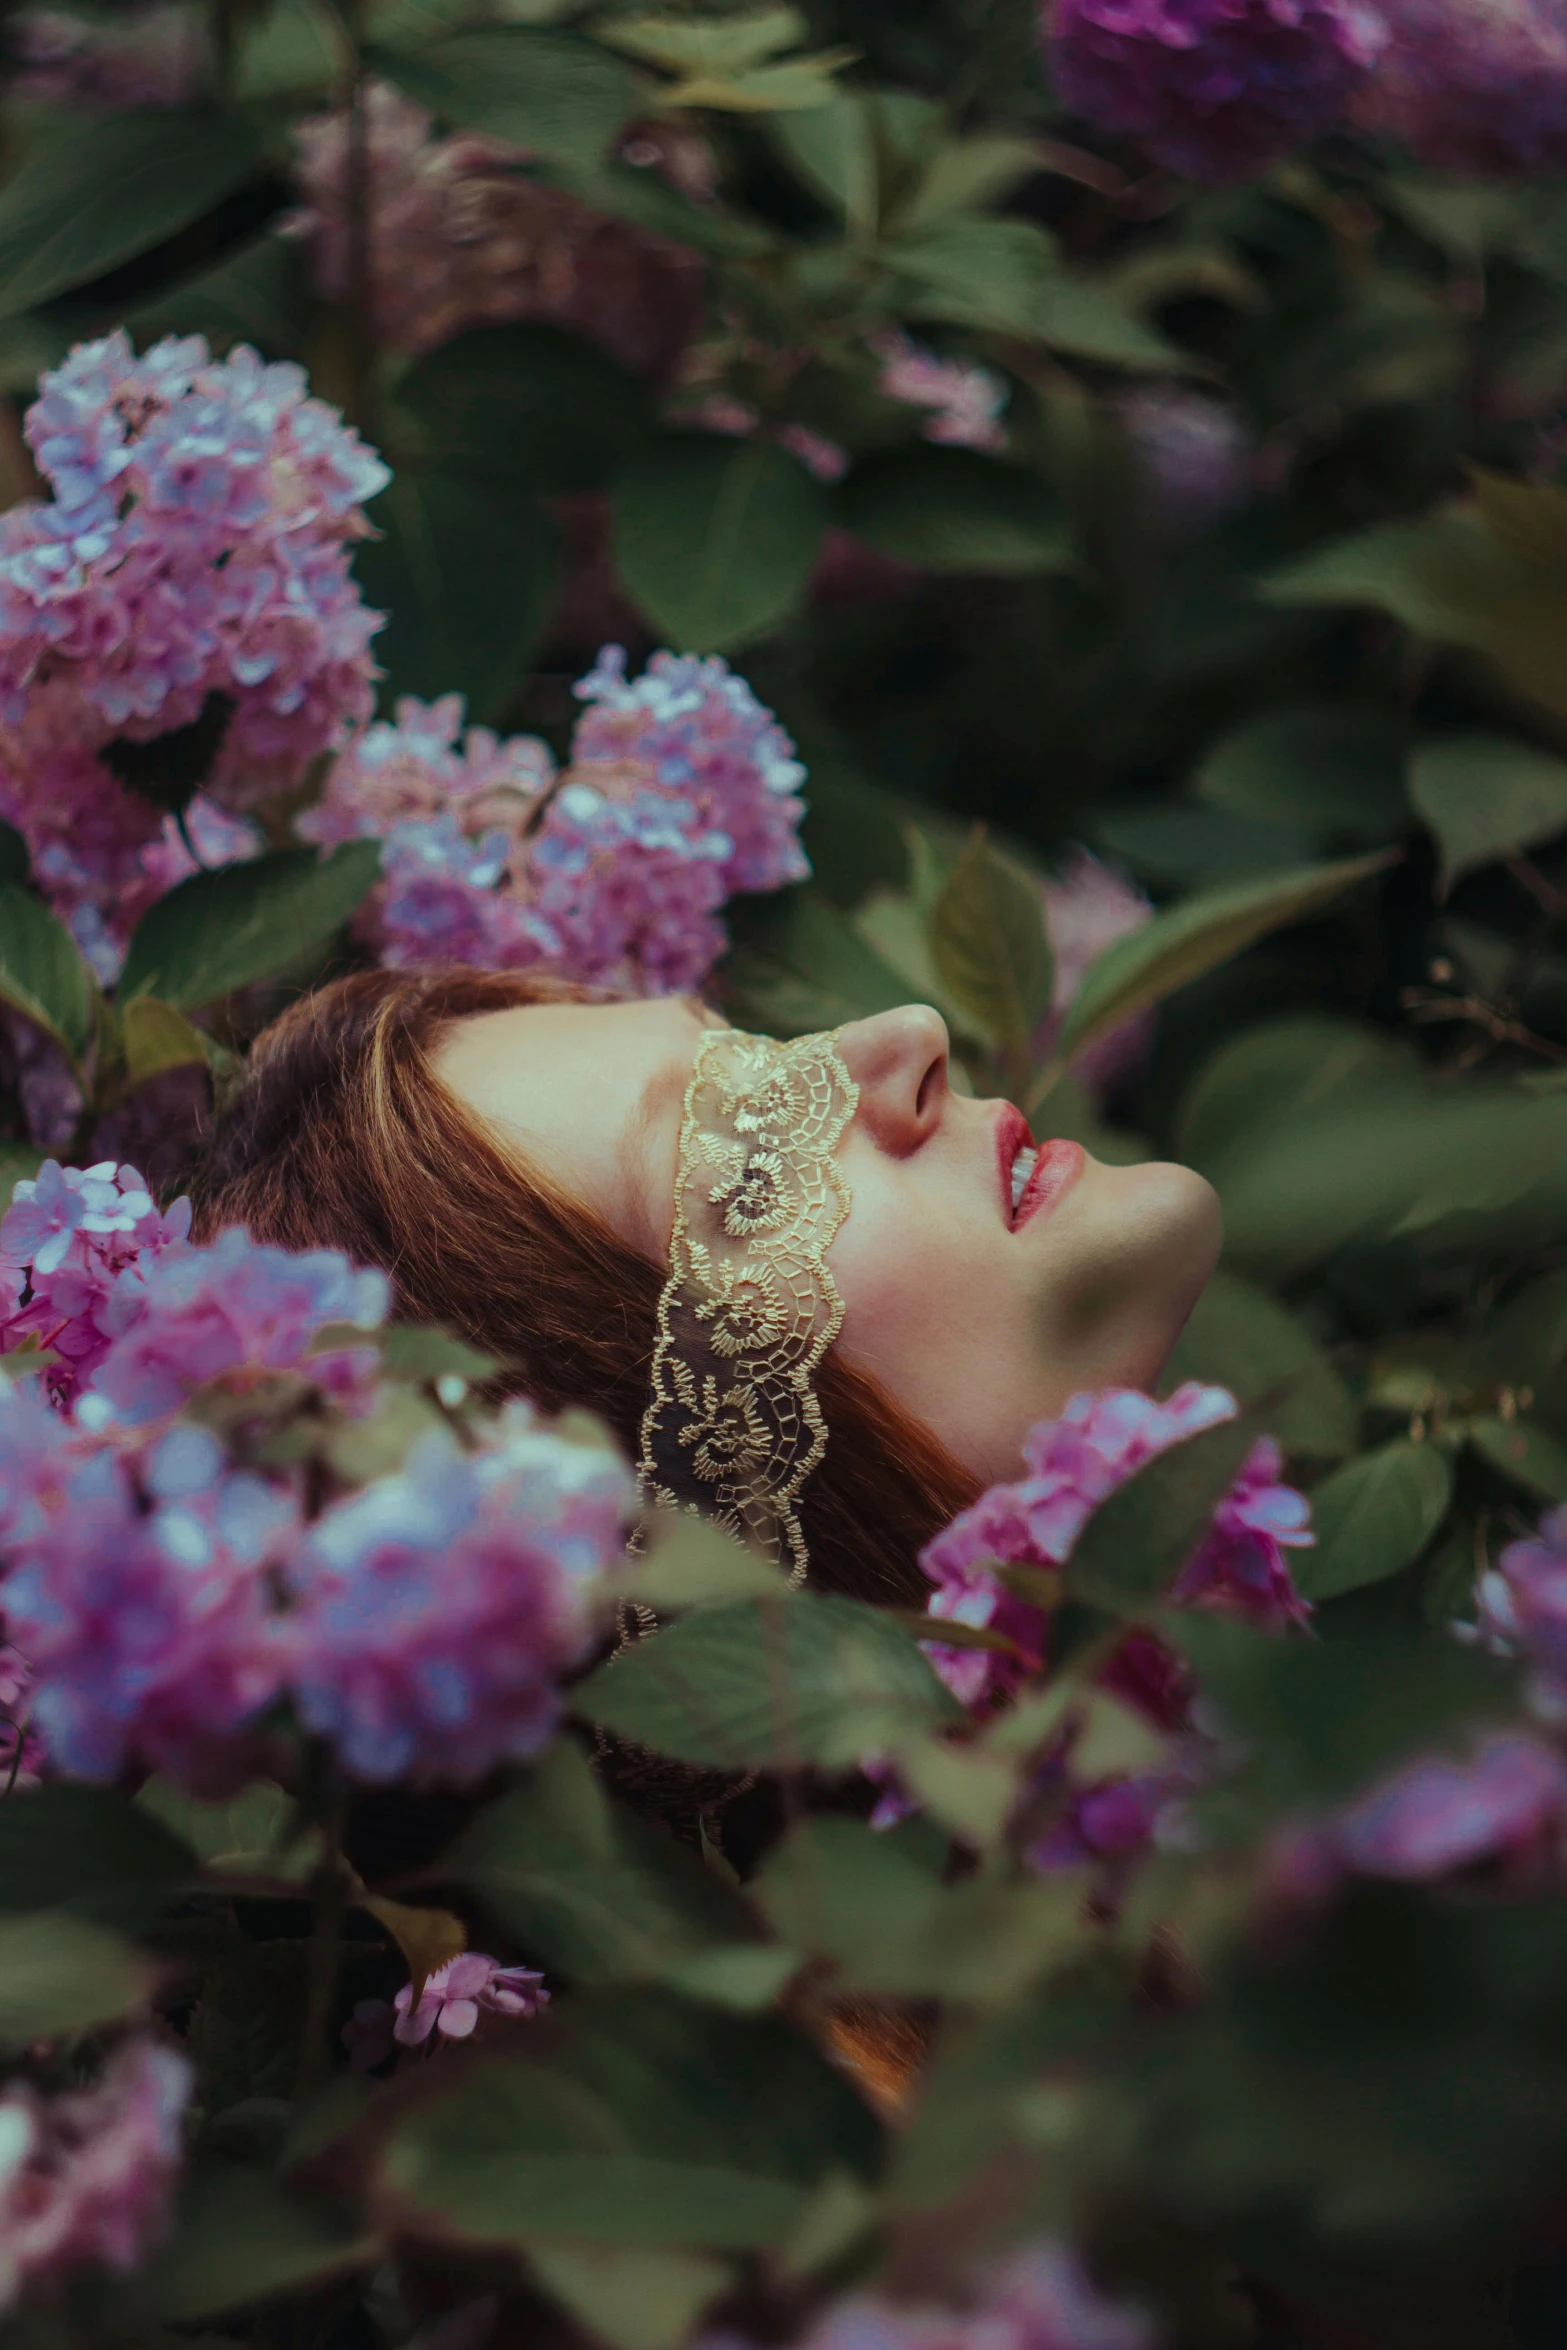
[505,1148]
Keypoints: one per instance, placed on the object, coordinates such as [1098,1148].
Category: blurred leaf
[1279,1067]
[799,965]
[633,2298]
[428,1938]
[991,947]
[954,510]
[773,1685]
[1372,1517]
[595,1892]
[557,95]
[88,1849]
[157,1038]
[984,273]
[691,1562]
[641,194]
[240,2237]
[260,295]
[248,2023]
[1185,940]
[966,175]
[1241,1338]
[1524,1452]
[19,1162]
[745,1976]
[802,83]
[15,863]
[711,48]
[1336,769]
[717,538]
[466,571]
[1526,1337]
[833,150]
[1186,848]
[293,46]
[59,1975]
[260,1832]
[77,207]
[1485,795]
[530,405]
[419,1351]
[41,970]
[1092,322]
[1136,1543]
[229,928]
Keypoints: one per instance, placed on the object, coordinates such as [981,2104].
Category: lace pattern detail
[734,1428]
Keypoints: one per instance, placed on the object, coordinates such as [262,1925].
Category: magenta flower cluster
[168,1603]
[454,2001]
[87,2177]
[682,789]
[1217,89]
[1477,88]
[196,542]
[1042,2298]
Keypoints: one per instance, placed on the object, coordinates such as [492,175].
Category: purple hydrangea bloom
[87,2178]
[192,1314]
[143,1607]
[1523,1608]
[1042,2298]
[1474,87]
[66,1241]
[457,1994]
[1240,1566]
[437,1609]
[1217,89]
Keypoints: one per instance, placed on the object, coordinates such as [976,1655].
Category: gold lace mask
[749,1309]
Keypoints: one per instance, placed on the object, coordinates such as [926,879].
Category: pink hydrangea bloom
[1089,907]
[65,1242]
[88,2177]
[437,1609]
[1042,2298]
[457,1994]
[1523,1608]
[154,56]
[1506,1806]
[140,1599]
[196,542]
[1477,88]
[965,401]
[1214,88]
[461,236]
[1074,1464]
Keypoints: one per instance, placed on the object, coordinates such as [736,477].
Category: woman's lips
[1055,1167]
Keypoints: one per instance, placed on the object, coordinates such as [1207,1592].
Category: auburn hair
[343,1135]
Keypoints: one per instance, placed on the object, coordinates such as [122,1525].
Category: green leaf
[42,972]
[772,1685]
[632,2297]
[260,295]
[292,47]
[422,1352]
[1136,1543]
[691,1562]
[256,1834]
[715,48]
[596,1893]
[1485,795]
[1524,1452]
[1188,939]
[717,538]
[156,1037]
[966,175]
[239,2238]
[832,148]
[952,510]
[19,1162]
[229,928]
[1372,1517]
[1174,847]
[78,206]
[799,964]
[991,946]
[530,405]
[466,570]
[1306,1062]
[59,1974]
[1241,1338]
[995,274]
[561,97]
[88,1849]
[1337,770]
[1092,322]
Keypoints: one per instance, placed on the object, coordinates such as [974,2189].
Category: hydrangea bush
[1057,511]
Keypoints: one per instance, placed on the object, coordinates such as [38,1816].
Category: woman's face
[978,1315]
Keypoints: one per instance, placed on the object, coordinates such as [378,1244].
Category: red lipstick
[1056,1166]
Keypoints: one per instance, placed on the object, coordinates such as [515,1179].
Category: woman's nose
[899,1062]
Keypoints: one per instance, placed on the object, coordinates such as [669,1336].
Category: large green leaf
[240,2237]
[86,1848]
[79,206]
[553,93]
[41,970]
[594,1893]
[954,510]
[260,295]
[833,150]
[716,538]
[1241,1338]
[1092,322]
[983,273]
[61,1974]
[1277,1068]
[799,964]
[991,947]
[1373,1516]
[229,928]
[1136,1543]
[1185,940]
[530,405]
[466,571]
[1486,795]
[768,1684]
[632,2296]
[1526,1454]
[1335,769]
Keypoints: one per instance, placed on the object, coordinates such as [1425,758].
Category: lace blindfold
[749,1309]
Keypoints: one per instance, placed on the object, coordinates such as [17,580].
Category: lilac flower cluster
[196,543]
[1473,87]
[965,401]
[436,1609]
[682,789]
[450,2007]
[1042,2298]
[69,1235]
[462,236]
[1217,89]
[87,2177]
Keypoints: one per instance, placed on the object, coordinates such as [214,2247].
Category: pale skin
[976,1317]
